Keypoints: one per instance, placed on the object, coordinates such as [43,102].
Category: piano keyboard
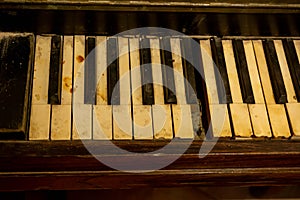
[260,78]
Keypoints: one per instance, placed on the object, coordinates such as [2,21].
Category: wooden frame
[67,165]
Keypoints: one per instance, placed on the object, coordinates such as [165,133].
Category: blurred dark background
[188,193]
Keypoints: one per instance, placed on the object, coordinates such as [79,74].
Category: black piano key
[219,60]
[90,72]
[243,73]
[188,71]
[55,73]
[16,56]
[113,88]
[146,72]
[275,72]
[293,63]
[168,76]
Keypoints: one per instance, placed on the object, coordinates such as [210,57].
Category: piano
[209,95]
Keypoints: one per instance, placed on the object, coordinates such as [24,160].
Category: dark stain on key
[243,73]
[146,72]
[67,83]
[275,72]
[201,87]
[293,63]
[219,60]
[167,72]
[113,88]
[16,56]
[55,73]
[90,72]
[80,59]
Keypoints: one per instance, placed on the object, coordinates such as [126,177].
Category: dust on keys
[119,84]
[16,53]
[91,77]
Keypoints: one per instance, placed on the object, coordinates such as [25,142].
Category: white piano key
[61,114]
[218,111]
[82,113]
[136,82]
[162,121]
[39,122]
[290,92]
[157,72]
[41,70]
[259,119]
[238,110]
[124,73]
[67,71]
[61,122]
[82,122]
[78,73]
[142,117]
[102,113]
[142,126]
[182,121]
[253,72]
[279,121]
[258,111]
[40,110]
[101,66]
[102,122]
[178,71]
[241,120]
[263,72]
[122,123]
[220,120]
[180,114]
[276,112]
[232,72]
[209,74]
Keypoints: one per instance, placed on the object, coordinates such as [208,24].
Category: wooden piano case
[67,165]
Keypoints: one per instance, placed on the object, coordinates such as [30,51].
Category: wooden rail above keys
[68,165]
[274,6]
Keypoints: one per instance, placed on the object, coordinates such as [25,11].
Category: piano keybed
[259,78]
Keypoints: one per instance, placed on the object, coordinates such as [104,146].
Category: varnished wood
[50,165]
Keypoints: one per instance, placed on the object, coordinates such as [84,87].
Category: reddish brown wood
[68,165]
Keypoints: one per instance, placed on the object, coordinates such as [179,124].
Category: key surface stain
[101,97]
[37,96]
[67,83]
[79,59]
